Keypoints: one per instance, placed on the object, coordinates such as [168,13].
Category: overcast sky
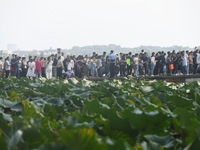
[39,24]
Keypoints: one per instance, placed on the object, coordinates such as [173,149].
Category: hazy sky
[39,24]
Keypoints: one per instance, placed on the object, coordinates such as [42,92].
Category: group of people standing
[160,63]
[35,67]
[111,65]
[142,64]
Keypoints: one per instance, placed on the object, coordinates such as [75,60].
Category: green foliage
[57,114]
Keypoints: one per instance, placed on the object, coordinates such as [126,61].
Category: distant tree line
[99,49]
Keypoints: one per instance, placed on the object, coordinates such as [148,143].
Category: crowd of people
[110,65]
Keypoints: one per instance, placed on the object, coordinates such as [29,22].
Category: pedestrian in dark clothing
[15,66]
[122,65]
[129,62]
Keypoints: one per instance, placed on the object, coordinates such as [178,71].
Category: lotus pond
[106,115]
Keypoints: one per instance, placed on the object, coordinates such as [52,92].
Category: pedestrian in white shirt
[7,67]
[31,69]
[49,68]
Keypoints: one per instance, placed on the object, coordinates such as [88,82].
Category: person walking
[129,62]
[49,68]
[54,66]
[136,65]
[59,67]
[38,68]
[7,67]
[99,65]
[15,66]
[122,65]
[44,63]
[184,62]
[190,60]
[24,67]
[31,69]
[112,61]
[153,63]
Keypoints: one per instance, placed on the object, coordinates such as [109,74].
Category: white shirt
[7,65]
[135,60]
[112,57]
[184,60]
[49,66]
[71,63]
[153,60]
[62,58]
[198,58]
